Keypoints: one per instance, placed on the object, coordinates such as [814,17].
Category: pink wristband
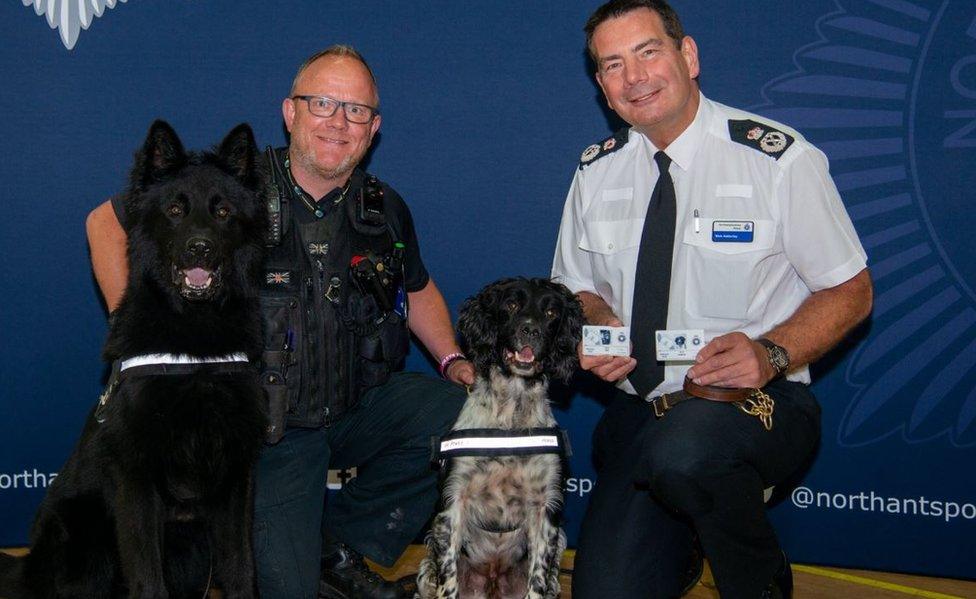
[448,360]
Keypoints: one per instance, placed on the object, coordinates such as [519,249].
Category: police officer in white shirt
[764,260]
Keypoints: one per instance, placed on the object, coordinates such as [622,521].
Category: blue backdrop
[486,108]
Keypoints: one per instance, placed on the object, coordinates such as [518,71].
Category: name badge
[733,231]
[678,344]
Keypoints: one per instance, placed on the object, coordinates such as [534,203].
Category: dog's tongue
[525,354]
[197,276]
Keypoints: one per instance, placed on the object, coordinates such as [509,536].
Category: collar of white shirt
[685,147]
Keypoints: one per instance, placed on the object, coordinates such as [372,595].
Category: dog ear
[161,154]
[477,326]
[239,154]
[565,359]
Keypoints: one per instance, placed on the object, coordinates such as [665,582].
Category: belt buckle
[659,411]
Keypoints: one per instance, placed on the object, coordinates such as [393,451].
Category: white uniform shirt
[803,238]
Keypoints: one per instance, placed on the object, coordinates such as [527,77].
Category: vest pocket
[277,395]
[380,350]
[280,367]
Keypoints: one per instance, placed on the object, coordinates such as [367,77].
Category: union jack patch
[318,249]
[279,278]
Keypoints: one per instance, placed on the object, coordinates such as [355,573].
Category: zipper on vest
[323,346]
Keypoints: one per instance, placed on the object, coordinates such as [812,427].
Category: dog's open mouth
[522,361]
[196,282]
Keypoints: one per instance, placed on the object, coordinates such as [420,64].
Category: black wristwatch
[779,358]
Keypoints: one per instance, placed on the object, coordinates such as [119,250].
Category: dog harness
[163,364]
[495,442]
[492,442]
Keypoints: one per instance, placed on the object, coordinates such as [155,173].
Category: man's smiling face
[647,77]
[330,147]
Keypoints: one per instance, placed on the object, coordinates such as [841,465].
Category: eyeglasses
[325,106]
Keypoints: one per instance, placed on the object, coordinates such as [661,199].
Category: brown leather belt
[754,402]
[717,393]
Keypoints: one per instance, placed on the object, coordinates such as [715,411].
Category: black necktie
[652,283]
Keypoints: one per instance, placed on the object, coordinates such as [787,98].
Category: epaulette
[760,136]
[611,144]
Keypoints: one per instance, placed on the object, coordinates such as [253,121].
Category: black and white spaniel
[497,534]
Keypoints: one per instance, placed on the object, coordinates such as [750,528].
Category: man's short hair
[334,50]
[618,8]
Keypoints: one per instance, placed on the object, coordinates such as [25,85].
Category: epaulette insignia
[603,148]
[760,136]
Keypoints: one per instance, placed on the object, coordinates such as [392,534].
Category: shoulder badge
[612,144]
[760,136]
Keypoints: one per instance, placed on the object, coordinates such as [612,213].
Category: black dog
[155,500]
[497,534]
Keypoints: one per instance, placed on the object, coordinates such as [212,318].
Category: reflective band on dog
[500,442]
[157,359]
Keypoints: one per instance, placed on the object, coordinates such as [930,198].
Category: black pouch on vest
[277,412]
[280,373]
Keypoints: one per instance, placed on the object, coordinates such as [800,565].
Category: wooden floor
[810,582]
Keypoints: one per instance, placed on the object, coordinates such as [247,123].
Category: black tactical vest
[334,306]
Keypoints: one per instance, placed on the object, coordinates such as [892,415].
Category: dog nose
[530,329]
[199,247]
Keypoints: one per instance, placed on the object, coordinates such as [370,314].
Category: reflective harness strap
[152,364]
[491,442]
[163,364]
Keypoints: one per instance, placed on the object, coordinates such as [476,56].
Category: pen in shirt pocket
[697,221]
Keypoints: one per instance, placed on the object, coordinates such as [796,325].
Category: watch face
[778,358]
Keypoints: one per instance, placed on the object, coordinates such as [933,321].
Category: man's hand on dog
[461,372]
[732,360]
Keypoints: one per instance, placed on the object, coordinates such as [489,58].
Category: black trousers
[703,468]
[387,438]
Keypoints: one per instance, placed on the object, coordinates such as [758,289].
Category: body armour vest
[333,303]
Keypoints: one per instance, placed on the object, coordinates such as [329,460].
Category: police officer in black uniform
[343,283]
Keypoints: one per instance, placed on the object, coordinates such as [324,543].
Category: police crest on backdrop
[607,146]
[70,17]
[760,136]
[334,302]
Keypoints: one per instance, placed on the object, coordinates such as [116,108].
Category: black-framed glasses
[325,106]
